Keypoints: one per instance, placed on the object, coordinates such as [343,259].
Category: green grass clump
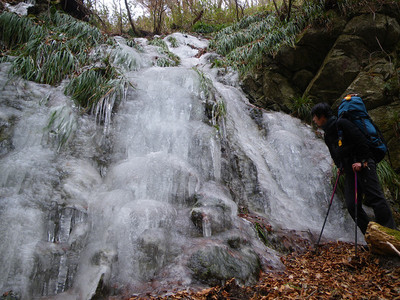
[206,86]
[205,28]
[163,62]
[46,61]
[174,42]
[15,30]
[74,28]
[388,178]
[215,108]
[61,125]
[93,85]
[49,48]
[56,46]
[131,43]
[159,43]
[123,60]
[171,60]
[53,47]
[301,108]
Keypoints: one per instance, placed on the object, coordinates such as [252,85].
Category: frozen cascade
[152,205]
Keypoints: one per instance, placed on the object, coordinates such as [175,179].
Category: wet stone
[214,265]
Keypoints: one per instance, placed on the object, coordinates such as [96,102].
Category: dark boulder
[214,265]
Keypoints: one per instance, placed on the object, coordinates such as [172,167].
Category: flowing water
[149,201]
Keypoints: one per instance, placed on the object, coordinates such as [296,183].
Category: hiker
[351,154]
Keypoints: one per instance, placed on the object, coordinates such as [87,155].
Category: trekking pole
[356,212]
[329,208]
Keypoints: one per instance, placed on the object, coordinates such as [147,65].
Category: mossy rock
[337,73]
[376,30]
[313,44]
[278,90]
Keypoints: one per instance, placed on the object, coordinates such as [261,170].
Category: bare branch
[393,248]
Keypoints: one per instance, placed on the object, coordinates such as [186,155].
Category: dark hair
[322,109]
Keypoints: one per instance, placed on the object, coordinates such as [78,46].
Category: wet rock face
[214,265]
[213,215]
[358,55]
[6,130]
[389,123]
[363,41]
[57,259]
[375,30]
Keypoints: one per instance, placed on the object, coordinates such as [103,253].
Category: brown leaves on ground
[334,272]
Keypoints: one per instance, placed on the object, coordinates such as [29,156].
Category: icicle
[206,226]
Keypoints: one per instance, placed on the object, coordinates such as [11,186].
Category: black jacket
[353,146]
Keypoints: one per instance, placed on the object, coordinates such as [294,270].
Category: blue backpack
[352,108]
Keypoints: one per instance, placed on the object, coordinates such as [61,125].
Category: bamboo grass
[133,44]
[301,108]
[388,178]
[159,43]
[86,88]
[77,29]
[45,62]
[174,42]
[214,104]
[96,88]
[61,126]
[55,47]
[171,60]
[15,30]
[246,42]
[123,59]
[50,50]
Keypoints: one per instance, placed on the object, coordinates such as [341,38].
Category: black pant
[368,186]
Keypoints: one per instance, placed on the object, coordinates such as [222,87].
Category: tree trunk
[237,10]
[154,22]
[198,17]
[76,8]
[158,14]
[289,10]
[276,7]
[177,17]
[159,25]
[130,18]
[382,240]
[120,19]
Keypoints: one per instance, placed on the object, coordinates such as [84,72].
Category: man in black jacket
[349,150]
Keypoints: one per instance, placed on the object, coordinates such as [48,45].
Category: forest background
[146,17]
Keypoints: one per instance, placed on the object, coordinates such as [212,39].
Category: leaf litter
[332,272]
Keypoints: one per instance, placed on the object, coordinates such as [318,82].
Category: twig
[311,294]
[393,247]
[383,50]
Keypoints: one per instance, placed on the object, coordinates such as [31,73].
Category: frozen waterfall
[149,205]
